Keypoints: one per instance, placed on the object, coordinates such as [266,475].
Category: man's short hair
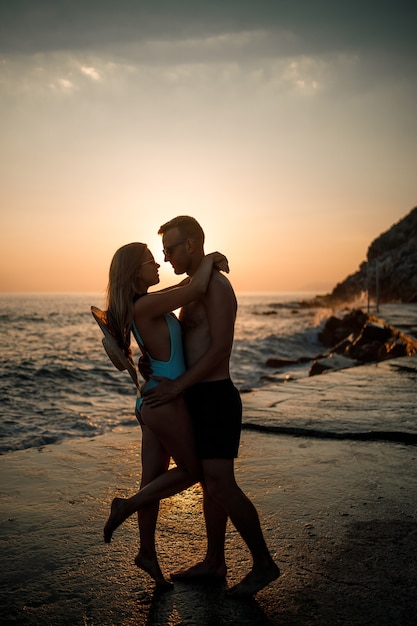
[188,227]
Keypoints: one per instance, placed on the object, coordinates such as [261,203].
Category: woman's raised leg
[171,424]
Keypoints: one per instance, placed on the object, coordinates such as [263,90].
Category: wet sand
[340,517]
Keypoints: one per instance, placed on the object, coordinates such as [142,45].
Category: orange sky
[293,148]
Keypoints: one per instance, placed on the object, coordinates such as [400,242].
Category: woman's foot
[151,567]
[117,516]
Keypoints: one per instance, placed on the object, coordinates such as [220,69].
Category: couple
[189,409]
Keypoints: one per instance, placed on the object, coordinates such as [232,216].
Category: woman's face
[148,270]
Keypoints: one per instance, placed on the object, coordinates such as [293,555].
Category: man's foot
[117,516]
[151,567]
[200,571]
[255,581]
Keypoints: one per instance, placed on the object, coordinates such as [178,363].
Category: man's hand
[165,392]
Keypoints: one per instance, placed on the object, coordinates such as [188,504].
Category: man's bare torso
[209,322]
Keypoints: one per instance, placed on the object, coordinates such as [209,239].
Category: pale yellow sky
[293,148]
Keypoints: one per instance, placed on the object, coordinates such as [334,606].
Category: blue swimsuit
[172,368]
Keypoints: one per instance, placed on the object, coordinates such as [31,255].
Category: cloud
[91,72]
[305,27]
[308,48]
[65,85]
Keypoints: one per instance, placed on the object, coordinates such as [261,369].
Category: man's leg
[213,565]
[222,487]
[215,518]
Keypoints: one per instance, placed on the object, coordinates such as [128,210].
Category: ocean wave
[57,382]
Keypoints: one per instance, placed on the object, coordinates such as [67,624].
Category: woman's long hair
[121,290]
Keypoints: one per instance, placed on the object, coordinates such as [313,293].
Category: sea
[56,381]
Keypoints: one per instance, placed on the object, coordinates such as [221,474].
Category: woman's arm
[185,281]
[160,302]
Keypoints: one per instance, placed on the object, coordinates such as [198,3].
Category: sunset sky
[287,128]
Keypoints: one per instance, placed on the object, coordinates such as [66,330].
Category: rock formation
[388,276]
[360,338]
[354,339]
[390,272]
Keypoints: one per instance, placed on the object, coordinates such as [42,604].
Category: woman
[166,430]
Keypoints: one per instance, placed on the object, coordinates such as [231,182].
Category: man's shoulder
[221,287]
[220,281]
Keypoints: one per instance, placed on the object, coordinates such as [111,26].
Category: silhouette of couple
[189,408]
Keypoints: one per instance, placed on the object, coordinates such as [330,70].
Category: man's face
[176,250]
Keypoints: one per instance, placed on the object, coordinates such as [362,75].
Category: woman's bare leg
[155,461]
[171,424]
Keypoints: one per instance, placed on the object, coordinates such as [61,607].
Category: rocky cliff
[390,271]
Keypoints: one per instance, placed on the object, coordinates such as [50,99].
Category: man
[216,410]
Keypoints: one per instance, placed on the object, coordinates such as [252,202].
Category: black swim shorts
[216,414]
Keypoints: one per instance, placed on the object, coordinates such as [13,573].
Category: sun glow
[292,157]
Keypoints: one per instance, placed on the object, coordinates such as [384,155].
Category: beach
[338,514]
